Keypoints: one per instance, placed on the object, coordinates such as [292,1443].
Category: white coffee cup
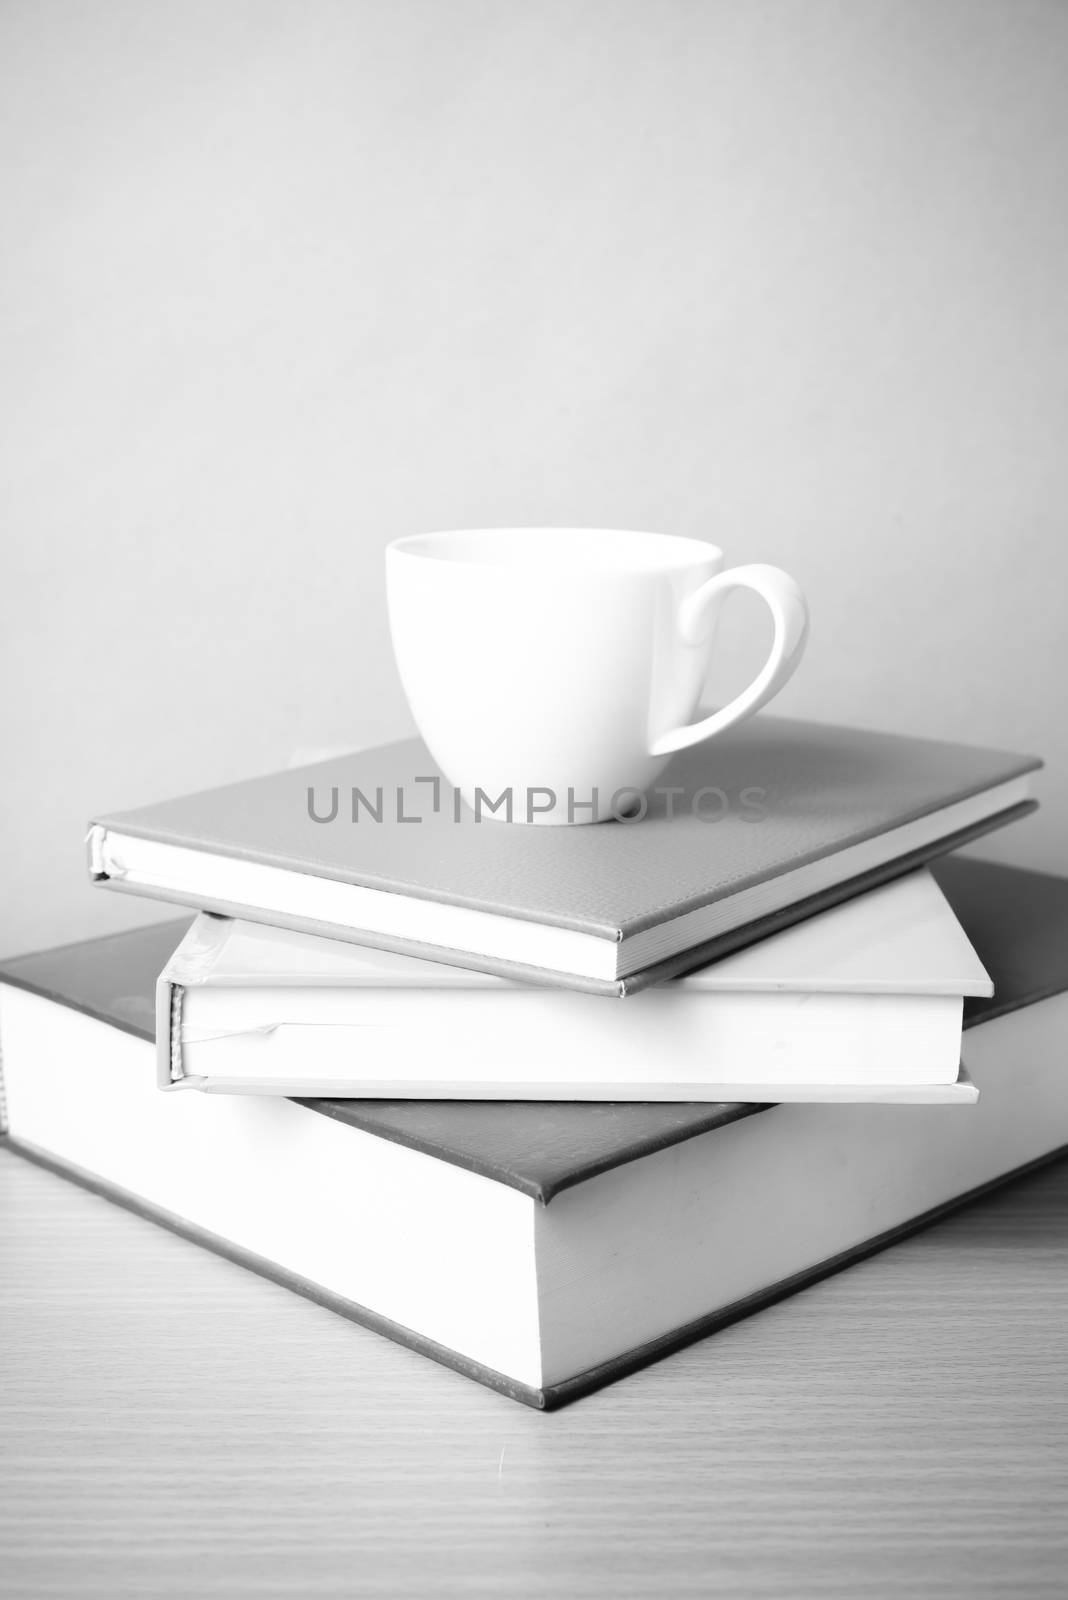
[567,662]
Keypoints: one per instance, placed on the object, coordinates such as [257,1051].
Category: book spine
[94,841]
[169,999]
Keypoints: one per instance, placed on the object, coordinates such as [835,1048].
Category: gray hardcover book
[770,823]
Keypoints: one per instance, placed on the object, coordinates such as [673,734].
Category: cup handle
[790,615]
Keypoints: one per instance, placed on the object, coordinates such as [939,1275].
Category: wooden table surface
[171,1424]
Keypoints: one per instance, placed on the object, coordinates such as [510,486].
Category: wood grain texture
[175,1426]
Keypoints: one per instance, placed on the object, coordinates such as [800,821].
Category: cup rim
[590,548]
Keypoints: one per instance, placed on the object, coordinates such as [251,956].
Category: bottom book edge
[568,1390]
[959,1091]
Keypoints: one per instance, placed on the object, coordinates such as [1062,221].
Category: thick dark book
[775,820]
[543,1249]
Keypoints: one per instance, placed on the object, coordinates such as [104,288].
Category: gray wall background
[282,282]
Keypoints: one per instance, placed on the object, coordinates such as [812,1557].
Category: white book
[863,1002]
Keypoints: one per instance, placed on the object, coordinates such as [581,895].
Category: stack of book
[545,1103]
